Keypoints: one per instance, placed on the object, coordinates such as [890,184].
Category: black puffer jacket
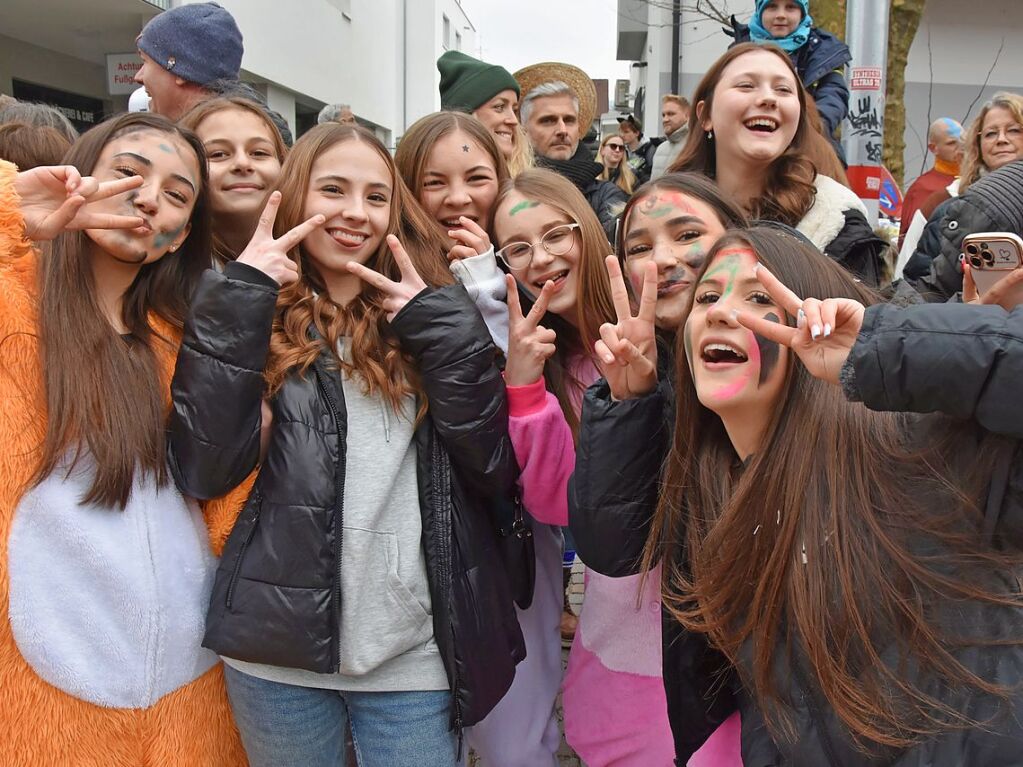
[276,597]
[964,362]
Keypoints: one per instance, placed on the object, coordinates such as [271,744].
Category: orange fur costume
[43,726]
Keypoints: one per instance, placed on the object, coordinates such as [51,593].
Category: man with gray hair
[336,113]
[558,108]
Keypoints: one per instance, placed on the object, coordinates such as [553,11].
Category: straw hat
[549,71]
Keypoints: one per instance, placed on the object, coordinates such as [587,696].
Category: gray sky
[580,32]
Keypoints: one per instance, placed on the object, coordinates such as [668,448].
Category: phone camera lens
[972,249]
[975,261]
[988,257]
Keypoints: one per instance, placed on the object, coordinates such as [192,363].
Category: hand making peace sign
[825,330]
[396,294]
[55,198]
[530,344]
[270,256]
[627,350]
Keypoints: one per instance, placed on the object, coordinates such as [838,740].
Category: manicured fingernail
[827,330]
[756,268]
[609,358]
[815,331]
[735,314]
[800,318]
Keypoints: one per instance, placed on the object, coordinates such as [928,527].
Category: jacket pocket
[380,616]
[257,504]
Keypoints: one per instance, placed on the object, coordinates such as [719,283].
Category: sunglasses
[616,147]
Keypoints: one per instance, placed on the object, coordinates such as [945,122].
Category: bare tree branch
[987,79]
[930,94]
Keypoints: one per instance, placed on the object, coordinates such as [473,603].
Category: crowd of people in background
[297,432]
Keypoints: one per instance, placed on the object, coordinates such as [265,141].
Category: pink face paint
[730,390]
[752,367]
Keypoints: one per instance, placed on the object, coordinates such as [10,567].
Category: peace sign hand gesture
[270,256]
[396,294]
[627,350]
[530,344]
[56,198]
[825,330]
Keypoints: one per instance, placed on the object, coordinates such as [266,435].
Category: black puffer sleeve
[960,360]
[218,381]
[446,336]
[612,495]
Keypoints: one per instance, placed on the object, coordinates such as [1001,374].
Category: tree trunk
[903,22]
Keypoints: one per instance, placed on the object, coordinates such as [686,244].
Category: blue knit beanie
[199,42]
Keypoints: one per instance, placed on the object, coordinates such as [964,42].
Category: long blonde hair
[973,166]
[626,179]
[375,352]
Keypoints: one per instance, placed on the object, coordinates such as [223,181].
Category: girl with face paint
[667,230]
[558,298]
[106,567]
[825,552]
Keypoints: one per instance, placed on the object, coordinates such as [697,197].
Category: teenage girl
[750,132]
[106,568]
[554,248]
[245,151]
[855,570]
[669,226]
[361,581]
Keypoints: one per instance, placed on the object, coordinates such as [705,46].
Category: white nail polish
[827,330]
[815,331]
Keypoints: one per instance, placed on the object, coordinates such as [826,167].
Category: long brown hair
[593,306]
[375,352]
[105,397]
[819,149]
[204,109]
[414,149]
[788,189]
[973,166]
[836,543]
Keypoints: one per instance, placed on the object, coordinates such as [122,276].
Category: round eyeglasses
[556,241]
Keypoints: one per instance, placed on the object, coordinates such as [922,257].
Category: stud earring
[710,135]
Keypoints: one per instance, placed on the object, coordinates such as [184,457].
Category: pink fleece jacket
[613,693]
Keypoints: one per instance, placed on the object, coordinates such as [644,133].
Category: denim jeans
[283,725]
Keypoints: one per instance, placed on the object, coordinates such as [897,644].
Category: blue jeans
[283,725]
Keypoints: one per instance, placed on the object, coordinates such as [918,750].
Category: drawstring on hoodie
[386,419]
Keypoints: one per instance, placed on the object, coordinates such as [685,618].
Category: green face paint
[524,205]
[729,263]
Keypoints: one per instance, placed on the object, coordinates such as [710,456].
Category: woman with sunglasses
[616,169]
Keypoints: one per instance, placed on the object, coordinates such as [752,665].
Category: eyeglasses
[616,147]
[557,241]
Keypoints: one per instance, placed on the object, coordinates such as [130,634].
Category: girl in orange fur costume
[105,568]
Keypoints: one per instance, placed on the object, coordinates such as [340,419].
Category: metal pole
[866,34]
[676,23]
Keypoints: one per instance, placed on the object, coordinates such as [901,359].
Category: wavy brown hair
[305,304]
[204,109]
[414,150]
[593,306]
[973,166]
[836,546]
[105,397]
[788,189]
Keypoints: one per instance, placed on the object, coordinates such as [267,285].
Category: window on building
[458,41]
[446,39]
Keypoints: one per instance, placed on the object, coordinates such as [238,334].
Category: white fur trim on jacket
[826,218]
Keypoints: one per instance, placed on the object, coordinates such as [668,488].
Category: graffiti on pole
[865,119]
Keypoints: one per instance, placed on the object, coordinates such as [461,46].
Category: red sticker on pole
[865,79]
[865,181]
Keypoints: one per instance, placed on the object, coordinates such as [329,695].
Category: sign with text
[865,79]
[121,69]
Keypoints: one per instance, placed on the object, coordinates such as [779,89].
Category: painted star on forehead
[465,147]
